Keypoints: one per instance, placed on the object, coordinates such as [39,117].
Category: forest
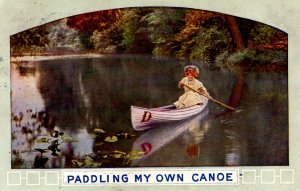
[85,104]
[183,34]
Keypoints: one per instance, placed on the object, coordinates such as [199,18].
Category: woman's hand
[203,91]
[181,84]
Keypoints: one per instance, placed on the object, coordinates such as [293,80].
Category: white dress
[190,98]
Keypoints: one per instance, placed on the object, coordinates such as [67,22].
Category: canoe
[156,139]
[145,118]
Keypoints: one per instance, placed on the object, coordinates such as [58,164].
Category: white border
[267,171]
[53,173]
[293,176]
[19,15]
[13,172]
[243,177]
[28,173]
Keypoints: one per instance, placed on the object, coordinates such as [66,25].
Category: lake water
[75,112]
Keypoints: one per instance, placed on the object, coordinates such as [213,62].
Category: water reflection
[192,130]
[25,94]
[80,97]
[233,148]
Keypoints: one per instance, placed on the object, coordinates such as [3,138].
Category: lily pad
[104,156]
[97,130]
[120,152]
[89,162]
[69,139]
[133,155]
[77,163]
[111,139]
[42,140]
[117,156]
[99,143]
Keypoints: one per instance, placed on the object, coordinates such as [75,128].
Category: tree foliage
[90,22]
[29,39]
[107,41]
[209,43]
[60,36]
[162,25]
[136,37]
[267,37]
[131,24]
[196,18]
[99,21]
[175,32]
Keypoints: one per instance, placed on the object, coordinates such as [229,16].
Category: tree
[99,21]
[235,32]
[162,25]
[198,18]
[131,24]
[32,38]
[90,22]
[62,36]
[189,37]
[267,37]
[136,37]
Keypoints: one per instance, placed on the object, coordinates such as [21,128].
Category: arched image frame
[55,11]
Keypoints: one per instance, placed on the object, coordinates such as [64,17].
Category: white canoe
[145,118]
[155,139]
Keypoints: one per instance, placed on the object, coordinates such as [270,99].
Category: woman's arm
[202,89]
[181,83]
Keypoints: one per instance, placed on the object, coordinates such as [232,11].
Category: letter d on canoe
[146,147]
[147,116]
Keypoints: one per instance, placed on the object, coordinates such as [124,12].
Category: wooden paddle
[209,97]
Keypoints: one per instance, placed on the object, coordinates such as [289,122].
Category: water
[76,113]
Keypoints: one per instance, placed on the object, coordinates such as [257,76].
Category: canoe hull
[155,139]
[145,118]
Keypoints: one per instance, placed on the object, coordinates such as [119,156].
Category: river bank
[245,60]
[52,57]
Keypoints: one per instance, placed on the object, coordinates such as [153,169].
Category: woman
[190,97]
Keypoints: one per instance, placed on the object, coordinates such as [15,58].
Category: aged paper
[17,16]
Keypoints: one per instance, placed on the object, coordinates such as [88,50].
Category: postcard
[106,95]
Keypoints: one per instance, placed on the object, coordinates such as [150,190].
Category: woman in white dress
[190,97]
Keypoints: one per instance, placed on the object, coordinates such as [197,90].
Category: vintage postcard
[149,95]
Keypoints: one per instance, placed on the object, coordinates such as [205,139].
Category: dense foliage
[30,39]
[181,33]
[90,22]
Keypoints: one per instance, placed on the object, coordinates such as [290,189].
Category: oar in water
[212,99]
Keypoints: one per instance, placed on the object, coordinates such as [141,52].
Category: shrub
[248,57]
[135,36]
[162,25]
[130,26]
[262,34]
[210,42]
[85,40]
[109,40]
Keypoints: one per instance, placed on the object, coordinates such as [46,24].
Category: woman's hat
[195,68]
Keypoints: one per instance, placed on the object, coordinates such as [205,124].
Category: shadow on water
[88,101]
[264,116]
[193,131]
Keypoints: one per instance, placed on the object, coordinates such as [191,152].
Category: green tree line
[185,34]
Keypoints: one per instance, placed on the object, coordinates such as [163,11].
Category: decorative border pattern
[54,178]
[268,176]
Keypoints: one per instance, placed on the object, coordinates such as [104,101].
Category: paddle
[209,97]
